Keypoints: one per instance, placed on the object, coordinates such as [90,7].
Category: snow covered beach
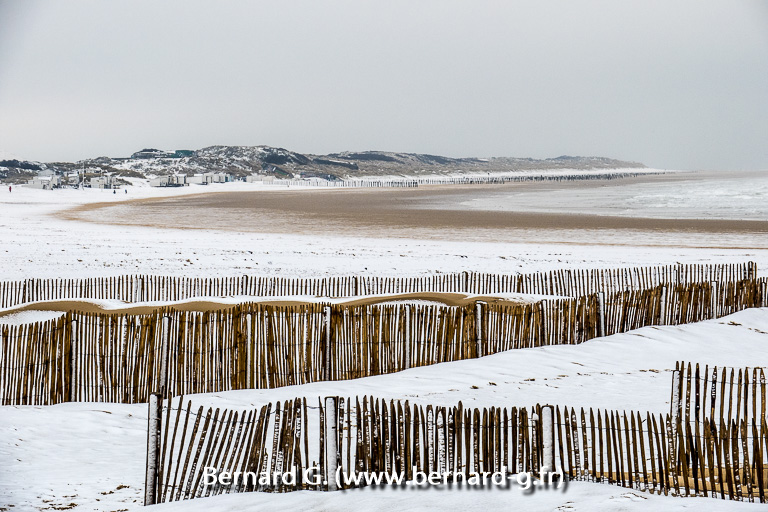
[629,370]
[142,237]
[92,454]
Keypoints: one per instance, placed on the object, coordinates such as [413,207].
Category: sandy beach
[438,212]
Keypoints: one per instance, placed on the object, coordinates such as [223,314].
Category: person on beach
[10,188]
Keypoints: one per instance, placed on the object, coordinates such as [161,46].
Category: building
[172,180]
[45,182]
[101,182]
[210,177]
[73,179]
[158,153]
[152,153]
[259,178]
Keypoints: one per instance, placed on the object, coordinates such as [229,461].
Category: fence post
[547,440]
[248,337]
[751,270]
[765,293]
[72,394]
[407,340]
[331,441]
[674,411]
[164,347]
[600,314]
[479,328]
[535,443]
[713,299]
[153,448]
[663,306]
[327,366]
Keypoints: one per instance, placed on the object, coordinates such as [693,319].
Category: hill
[279,162]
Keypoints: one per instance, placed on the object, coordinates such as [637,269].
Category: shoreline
[421,213]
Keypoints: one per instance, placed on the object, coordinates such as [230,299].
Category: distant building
[173,180]
[45,182]
[152,153]
[258,178]
[101,182]
[157,153]
[210,177]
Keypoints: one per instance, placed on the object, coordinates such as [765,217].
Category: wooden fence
[478,179]
[484,179]
[704,394]
[681,304]
[372,436]
[568,283]
[124,358]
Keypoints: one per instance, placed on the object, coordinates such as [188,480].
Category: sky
[672,84]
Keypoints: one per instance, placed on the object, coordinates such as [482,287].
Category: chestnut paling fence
[702,447]
[658,453]
[712,443]
[682,303]
[124,358]
[570,283]
[719,394]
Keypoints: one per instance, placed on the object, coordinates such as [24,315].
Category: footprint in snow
[633,497]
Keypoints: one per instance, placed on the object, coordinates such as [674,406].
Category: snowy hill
[283,163]
[14,169]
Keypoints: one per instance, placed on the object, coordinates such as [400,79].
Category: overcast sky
[671,84]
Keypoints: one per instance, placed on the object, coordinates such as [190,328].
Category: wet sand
[422,213]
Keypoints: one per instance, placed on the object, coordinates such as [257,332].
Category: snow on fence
[571,283]
[296,445]
[703,394]
[709,430]
[681,303]
[124,358]
[370,435]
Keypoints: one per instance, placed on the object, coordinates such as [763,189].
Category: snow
[46,245]
[42,310]
[93,454]
[90,456]
[577,496]
[27,317]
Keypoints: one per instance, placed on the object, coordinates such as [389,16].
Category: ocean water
[735,195]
